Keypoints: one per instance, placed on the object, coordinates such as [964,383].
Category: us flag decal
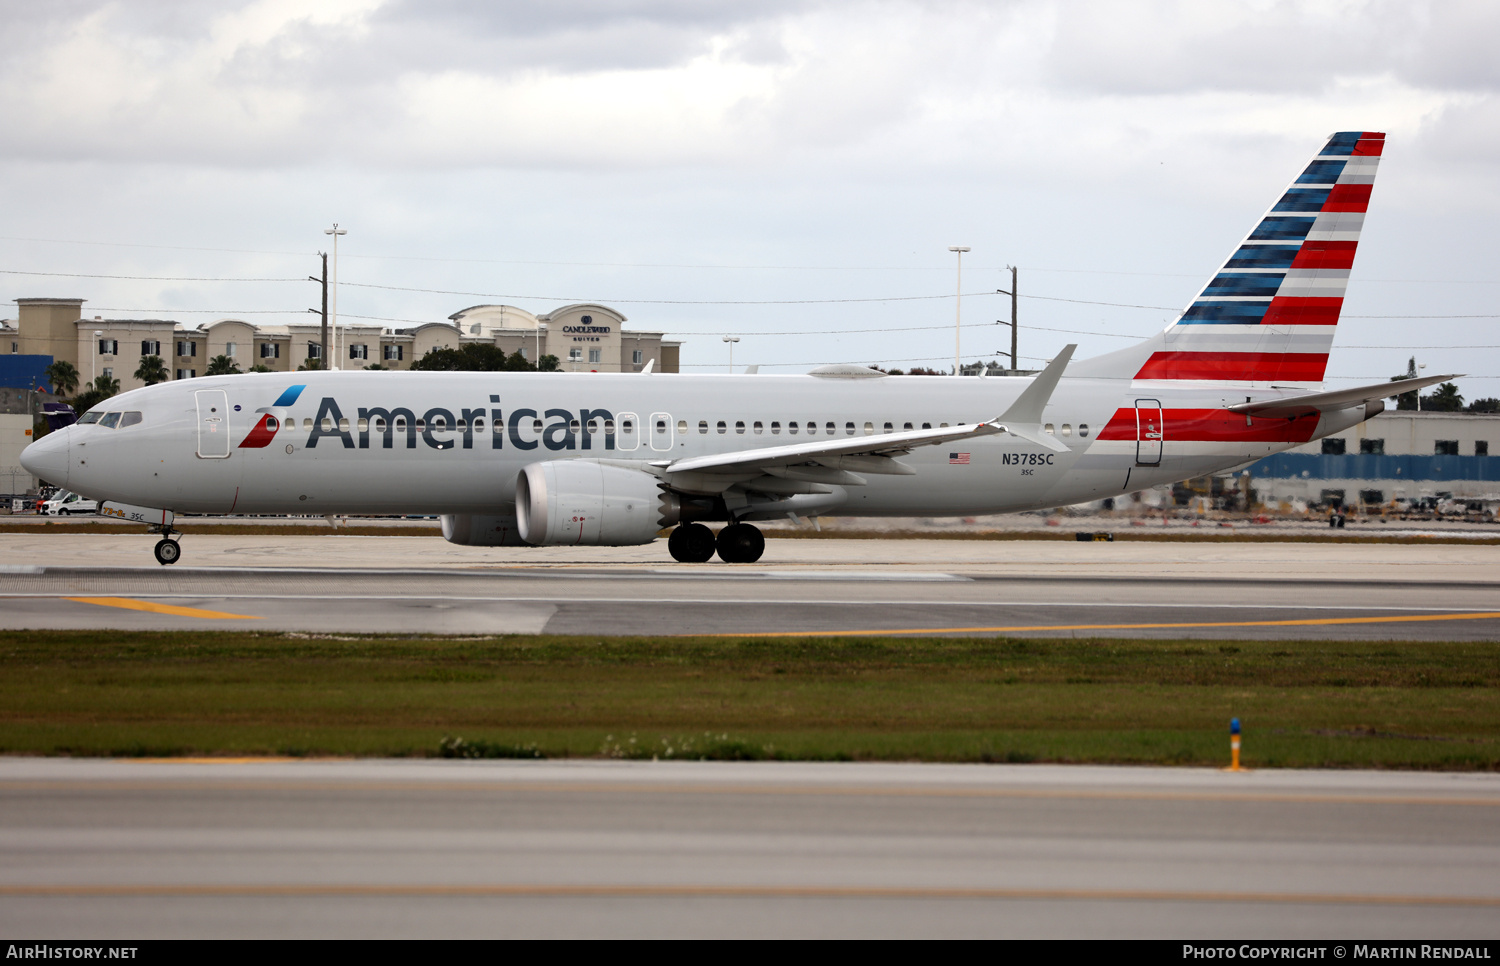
[958,459]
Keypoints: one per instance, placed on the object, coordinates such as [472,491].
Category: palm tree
[311,365]
[152,370]
[102,388]
[1444,399]
[222,366]
[62,376]
[260,367]
[1407,400]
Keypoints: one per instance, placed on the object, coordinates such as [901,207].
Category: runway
[586,848]
[1267,591]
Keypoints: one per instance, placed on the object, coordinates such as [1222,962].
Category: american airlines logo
[442,428]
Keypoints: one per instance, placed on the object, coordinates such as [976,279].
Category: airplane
[602,459]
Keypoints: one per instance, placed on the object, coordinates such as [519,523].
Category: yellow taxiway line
[154,608]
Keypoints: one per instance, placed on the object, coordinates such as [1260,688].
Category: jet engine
[585,502]
[482,530]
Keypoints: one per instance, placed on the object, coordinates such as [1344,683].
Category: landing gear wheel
[167,552]
[741,543]
[691,543]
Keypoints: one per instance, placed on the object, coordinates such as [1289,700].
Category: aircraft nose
[47,458]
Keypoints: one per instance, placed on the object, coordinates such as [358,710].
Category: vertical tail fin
[1268,315]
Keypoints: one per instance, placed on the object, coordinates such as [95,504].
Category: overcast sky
[685,159]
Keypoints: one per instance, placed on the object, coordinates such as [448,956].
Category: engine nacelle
[476,530]
[584,502]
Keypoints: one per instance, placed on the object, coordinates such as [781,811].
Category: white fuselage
[329,454]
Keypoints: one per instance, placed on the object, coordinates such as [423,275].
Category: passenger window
[609,427]
[759,429]
[739,427]
[110,421]
[831,428]
[536,425]
[1067,429]
[942,425]
[870,429]
[364,425]
[1083,429]
[478,425]
[849,429]
[573,426]
[379,424]
[498,427]
[421,425]
[129,419]
[889,428]
[593,427]
[344,424]
[328,424]
[702,427]
[1049,430]
[307,424]
[682,427]
[906,426]
[791,428]
[775,428]
[723,428]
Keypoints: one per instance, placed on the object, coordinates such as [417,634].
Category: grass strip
[1307,703]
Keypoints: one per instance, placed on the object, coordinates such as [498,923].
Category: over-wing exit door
[1149,430]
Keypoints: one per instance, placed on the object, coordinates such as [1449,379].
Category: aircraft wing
[1336,400]
[885,445]
[874,454]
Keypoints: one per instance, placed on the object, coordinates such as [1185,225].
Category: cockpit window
[129,419]
[110,421]
[89,417]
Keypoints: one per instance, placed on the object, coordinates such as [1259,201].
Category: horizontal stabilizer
[1325,402]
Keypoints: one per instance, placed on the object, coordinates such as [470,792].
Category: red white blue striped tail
[1269,313]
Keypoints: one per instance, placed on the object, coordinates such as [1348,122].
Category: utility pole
[1012,323]
[958,305]
[323,338]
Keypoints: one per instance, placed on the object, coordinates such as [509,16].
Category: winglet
[1027,409]
[649,363]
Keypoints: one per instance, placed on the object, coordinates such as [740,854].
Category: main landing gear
[736,543]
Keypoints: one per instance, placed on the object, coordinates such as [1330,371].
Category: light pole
[1420,367]
[731,339]
[333,304]
[94,365]
[958,302]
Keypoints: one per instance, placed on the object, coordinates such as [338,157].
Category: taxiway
[588,848]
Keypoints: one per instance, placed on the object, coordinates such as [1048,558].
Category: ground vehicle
[68,503]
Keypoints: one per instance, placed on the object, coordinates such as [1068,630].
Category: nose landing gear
[736,543]
[167,551]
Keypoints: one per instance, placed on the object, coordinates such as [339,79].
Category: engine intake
[587,503]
